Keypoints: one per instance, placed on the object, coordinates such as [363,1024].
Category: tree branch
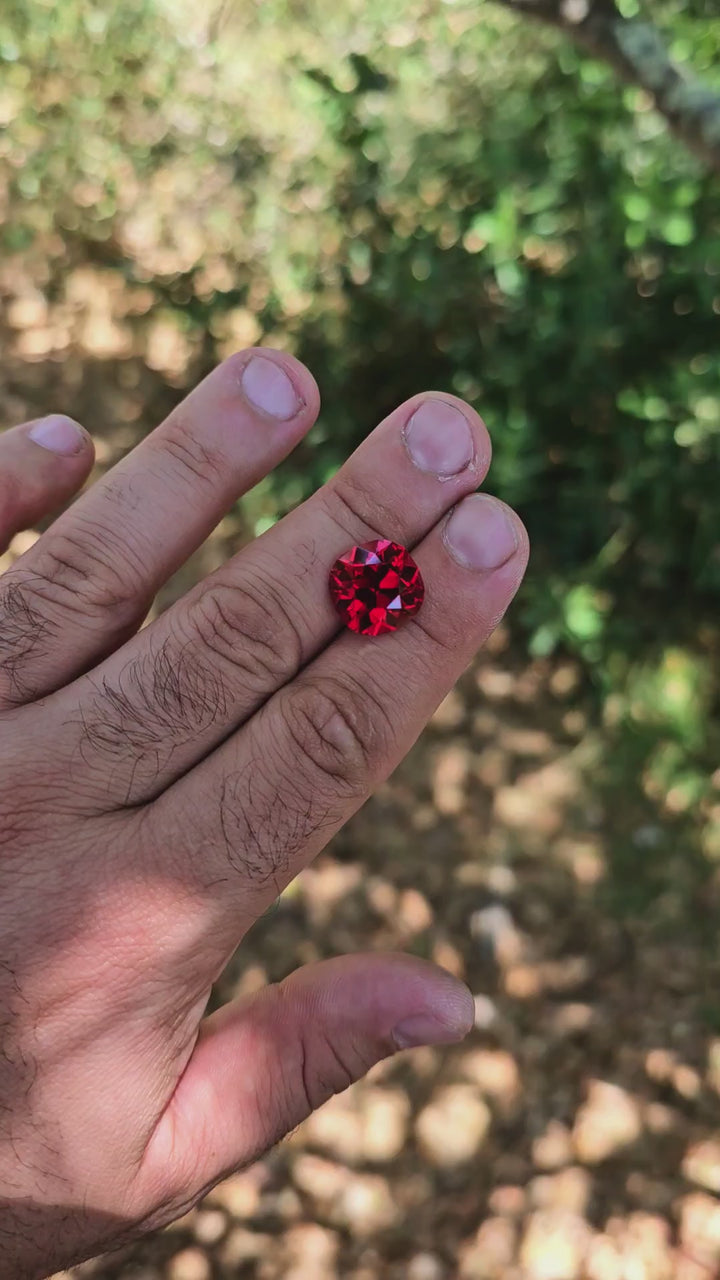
[636,51]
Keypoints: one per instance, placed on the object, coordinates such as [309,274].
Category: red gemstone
[376,587]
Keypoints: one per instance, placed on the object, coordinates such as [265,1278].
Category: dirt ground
[576,1134]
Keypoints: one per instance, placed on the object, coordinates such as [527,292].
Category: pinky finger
[42,464]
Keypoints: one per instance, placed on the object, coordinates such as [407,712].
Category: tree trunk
[636,50]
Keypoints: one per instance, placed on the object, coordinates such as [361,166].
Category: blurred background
[440,193]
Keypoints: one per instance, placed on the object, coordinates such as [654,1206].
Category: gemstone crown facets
[376,586]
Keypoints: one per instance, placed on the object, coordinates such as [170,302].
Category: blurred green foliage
[410,195]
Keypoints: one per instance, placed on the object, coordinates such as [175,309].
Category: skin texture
[159,788]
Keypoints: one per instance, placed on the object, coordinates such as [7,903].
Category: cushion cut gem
[376,586]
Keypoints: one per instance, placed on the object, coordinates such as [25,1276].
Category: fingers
[92,577]
[261,1065]
[42,464]
[207,664]
[261,806]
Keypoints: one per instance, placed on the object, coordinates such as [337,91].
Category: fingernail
[268,387]
[424,1028]
[438,439]
[480,533]
[450,1020]
[58,434]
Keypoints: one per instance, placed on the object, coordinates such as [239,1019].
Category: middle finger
[175,691]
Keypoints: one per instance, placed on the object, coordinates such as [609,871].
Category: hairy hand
[159,787]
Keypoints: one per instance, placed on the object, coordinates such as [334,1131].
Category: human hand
[158,788]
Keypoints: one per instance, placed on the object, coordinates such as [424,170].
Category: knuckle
[332,1069]
[24,633]
[314,1066]
[22,624]
[180,444]
[339,730]
[353,511]
[158,701]
[268,820]
[89,571]
[260,837]
[250,628]
[269,817]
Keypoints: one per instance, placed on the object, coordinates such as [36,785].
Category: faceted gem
[375,587]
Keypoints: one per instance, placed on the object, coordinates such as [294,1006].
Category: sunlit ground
[553,839]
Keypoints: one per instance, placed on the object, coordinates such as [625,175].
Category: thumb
[262,1064]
